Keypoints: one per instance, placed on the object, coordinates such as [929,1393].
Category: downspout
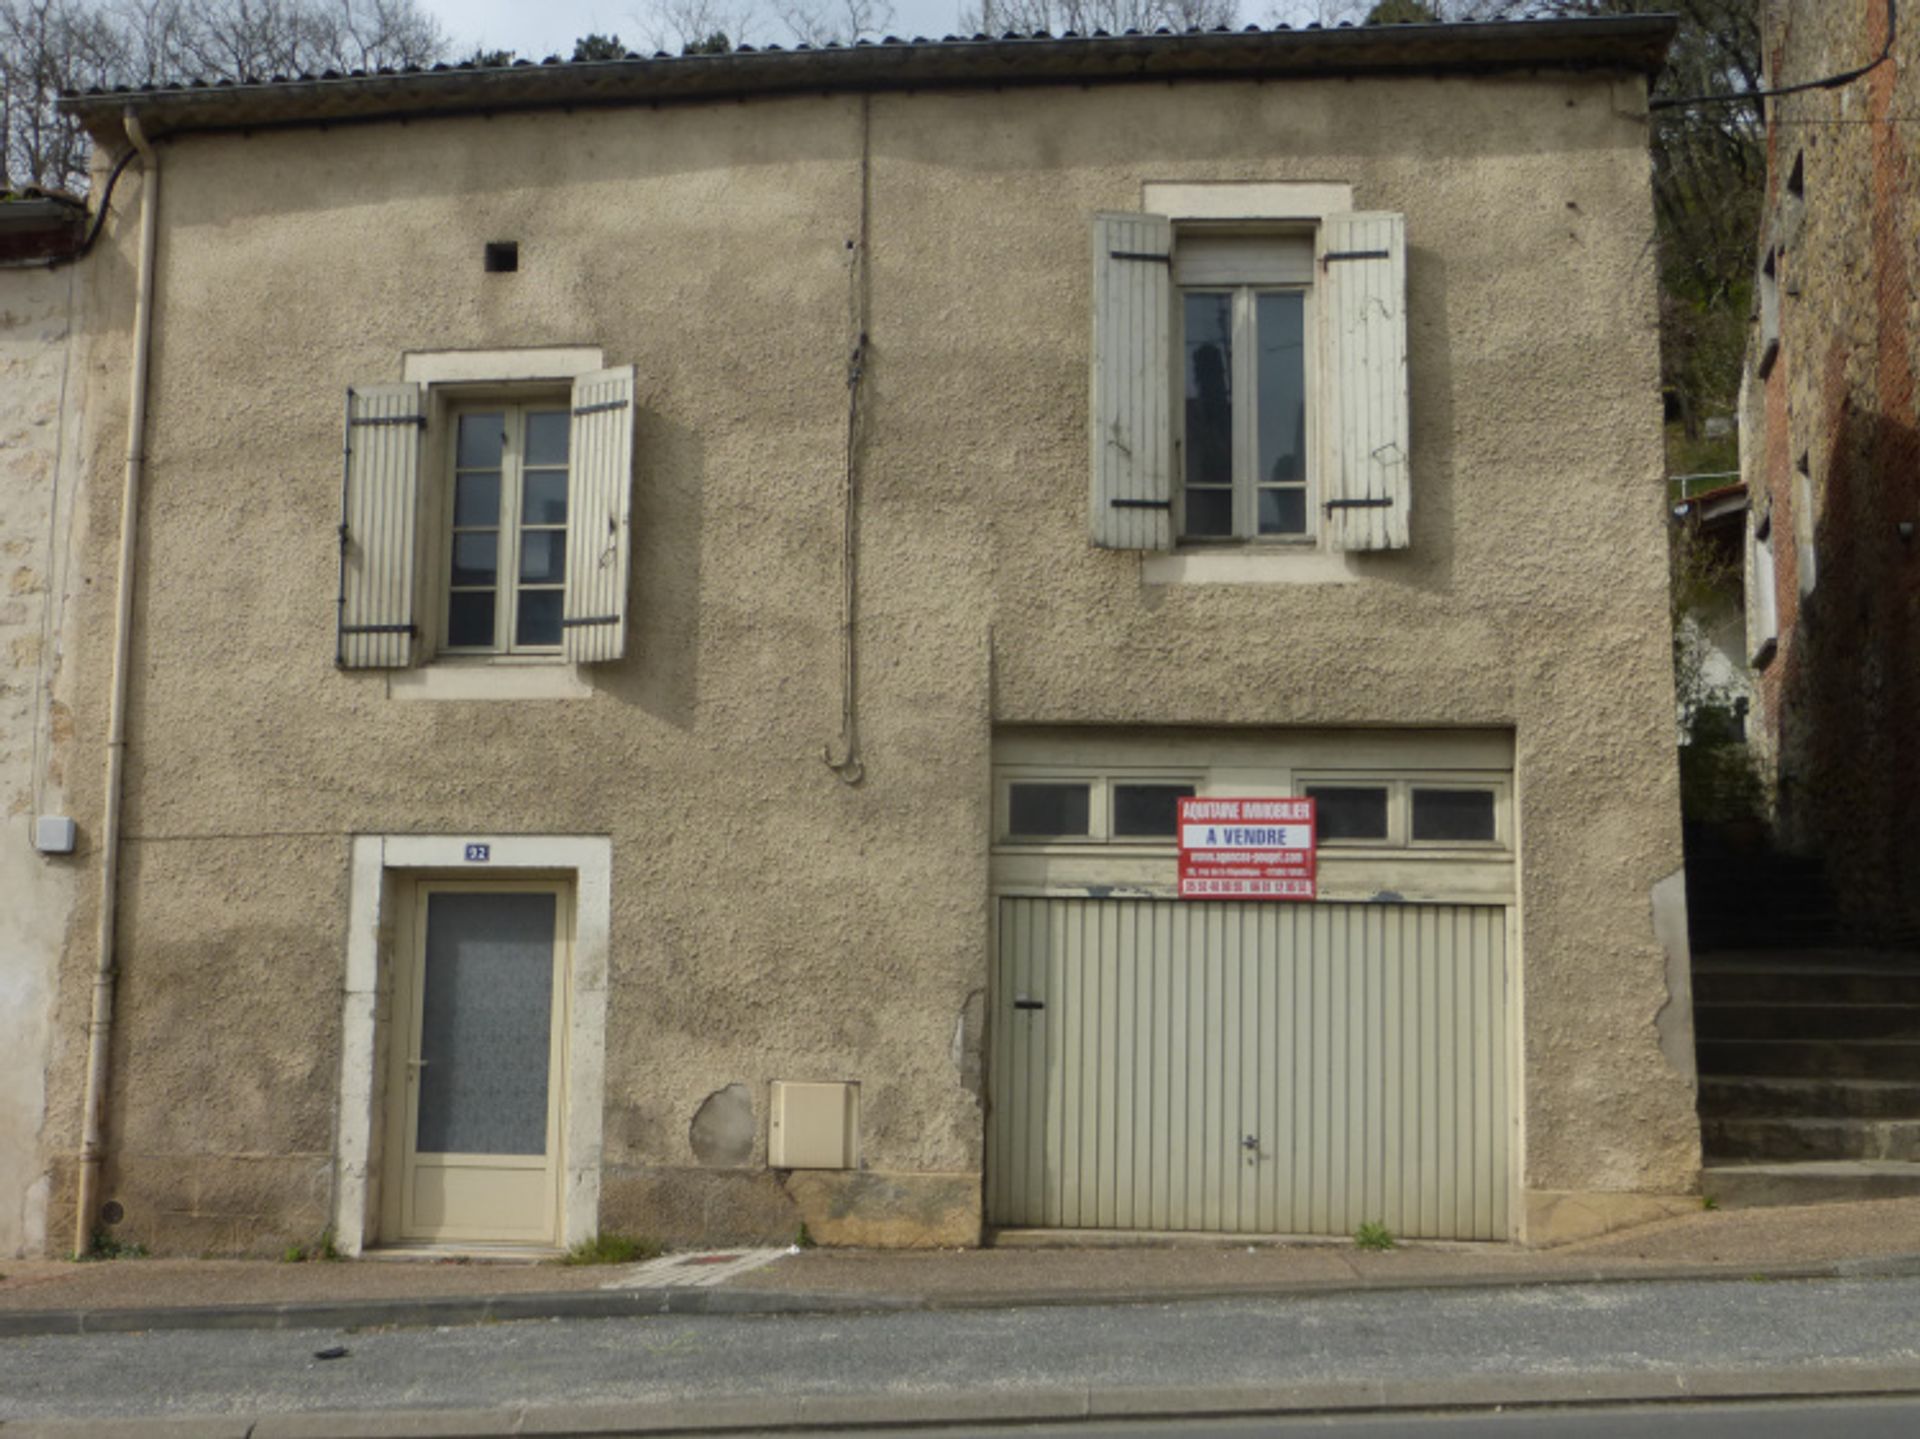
[100,1026]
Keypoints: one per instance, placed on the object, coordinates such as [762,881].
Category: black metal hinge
[1141,504]
[603,405]
[420,420]
[1332,255]
[1372,502]
[1152,255]
[406,629]
[590,620]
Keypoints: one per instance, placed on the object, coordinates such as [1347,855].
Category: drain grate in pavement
[693,1270]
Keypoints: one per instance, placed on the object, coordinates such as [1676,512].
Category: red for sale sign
[1246,849]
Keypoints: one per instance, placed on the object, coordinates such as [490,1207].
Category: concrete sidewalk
[40,1297]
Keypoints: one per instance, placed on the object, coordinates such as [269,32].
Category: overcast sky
[549,27]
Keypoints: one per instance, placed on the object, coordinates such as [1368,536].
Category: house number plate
[479,853]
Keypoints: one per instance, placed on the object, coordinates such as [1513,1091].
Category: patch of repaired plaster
[722,1130]
[969,1043]
[1674,1020]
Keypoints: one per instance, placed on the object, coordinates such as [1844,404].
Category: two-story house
[673,604]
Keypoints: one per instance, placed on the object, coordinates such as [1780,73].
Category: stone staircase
[1809,1073]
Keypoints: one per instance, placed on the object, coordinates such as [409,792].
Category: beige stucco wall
[767,920]
[40,371]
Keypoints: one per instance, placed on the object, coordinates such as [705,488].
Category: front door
[474,1087]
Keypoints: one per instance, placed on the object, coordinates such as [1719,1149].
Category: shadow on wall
[1849,755]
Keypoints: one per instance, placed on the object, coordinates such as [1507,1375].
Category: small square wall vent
[502,257]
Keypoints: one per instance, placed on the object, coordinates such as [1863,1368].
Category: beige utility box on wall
[814,1126]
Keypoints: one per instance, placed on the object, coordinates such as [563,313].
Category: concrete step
[1754,1097]
[1833,1181]
[1774,1140]
[1719,982]
[1811,1058]
[1806,1021]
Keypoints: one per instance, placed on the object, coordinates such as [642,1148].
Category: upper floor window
[484,518]
[1245,444]
[506,554]
[1250,381]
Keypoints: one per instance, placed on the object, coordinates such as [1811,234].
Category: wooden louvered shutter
[1363,282]
[1132,402]
[379,505]
[599,516]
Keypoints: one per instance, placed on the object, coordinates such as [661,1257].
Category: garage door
[1250,1068]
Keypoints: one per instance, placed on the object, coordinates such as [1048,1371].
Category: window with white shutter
[527,506]
[1250,379]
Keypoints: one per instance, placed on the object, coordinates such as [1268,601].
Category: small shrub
[804,1240]
[1373,1235]
[105,1246]
[614,1249]
[1707,1201]
[294,1255]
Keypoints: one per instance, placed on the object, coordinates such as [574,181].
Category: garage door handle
[1024,1003]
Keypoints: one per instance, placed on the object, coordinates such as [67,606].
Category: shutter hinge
[406,629]
[1332,255]
[1141,504]
[566,624]
[420,420]
[1141,255]
[1371,502]
[603,405]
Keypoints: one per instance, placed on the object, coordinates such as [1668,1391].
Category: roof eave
[1635,44]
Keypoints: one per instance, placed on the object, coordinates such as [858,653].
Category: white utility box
[53,834]
[814,1126]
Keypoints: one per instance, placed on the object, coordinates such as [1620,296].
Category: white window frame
[1400,785]
[513,406]
[1100,783]
[1244,382]
[1279,208]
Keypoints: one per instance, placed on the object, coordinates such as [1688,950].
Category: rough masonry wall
[1841,696]
[769,921]
[36,435]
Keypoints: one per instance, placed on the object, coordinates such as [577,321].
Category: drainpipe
[100,1026]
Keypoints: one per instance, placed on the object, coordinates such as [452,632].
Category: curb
[636,1303]
[1029,1406]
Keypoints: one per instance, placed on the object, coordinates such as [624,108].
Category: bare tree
[50,46]
[1083,17]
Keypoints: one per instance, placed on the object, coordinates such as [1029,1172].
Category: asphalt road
[1850,1419]
[1426,1339]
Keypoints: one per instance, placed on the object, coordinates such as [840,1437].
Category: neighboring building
[706,763]
[1831,456]
[42,373]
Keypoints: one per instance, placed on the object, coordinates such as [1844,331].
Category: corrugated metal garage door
[1250,1068]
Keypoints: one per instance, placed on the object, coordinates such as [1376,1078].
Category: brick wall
[1840,702]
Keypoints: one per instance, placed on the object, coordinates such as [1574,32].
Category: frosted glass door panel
[486,1029]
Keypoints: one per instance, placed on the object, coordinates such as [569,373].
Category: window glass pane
[1350,812]
[1148,809]
[1279,320]
[481,436]
[1453,814]
[1209,389]
[543,556]
[1283,512]
[539,618]
[547,437]
[470,618]
[1209,512]
[544,497]
[475,557]
[1047,809]
[476,499]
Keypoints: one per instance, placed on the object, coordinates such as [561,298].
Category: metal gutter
[1630,44]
